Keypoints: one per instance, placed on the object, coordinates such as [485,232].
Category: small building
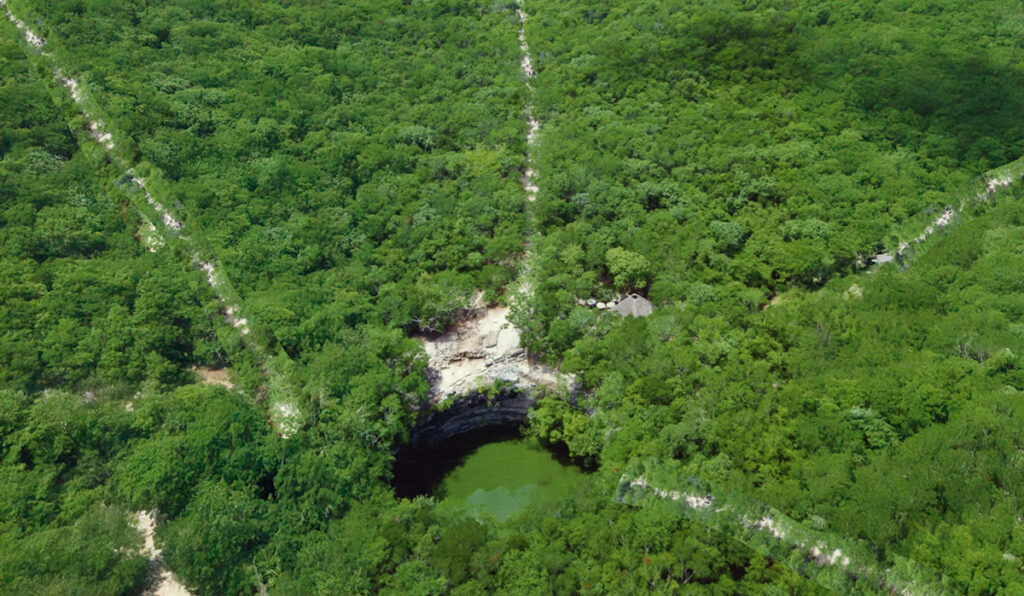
[635,305]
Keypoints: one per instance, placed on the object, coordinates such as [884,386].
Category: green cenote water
[492,475]
[501,478]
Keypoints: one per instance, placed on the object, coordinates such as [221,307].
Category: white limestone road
[533,126]
[484,346]
[168,225]
[30,37]
[994,180]
[532,130]
[822,556]
[164,582]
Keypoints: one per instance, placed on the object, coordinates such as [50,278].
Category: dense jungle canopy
[358,168]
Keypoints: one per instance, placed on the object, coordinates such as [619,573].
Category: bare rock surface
[482,348]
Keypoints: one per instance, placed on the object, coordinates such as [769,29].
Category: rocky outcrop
[481,349]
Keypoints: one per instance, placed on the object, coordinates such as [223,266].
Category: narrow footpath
[841,565]
[533,126]
[992,182]
[160,224]
[484,346]
[163,582]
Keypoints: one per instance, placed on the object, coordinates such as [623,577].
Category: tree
[97,554]
[629,269]
[211,545]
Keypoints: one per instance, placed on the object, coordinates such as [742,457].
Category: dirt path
[167,226]
[214,376]
[994,180]
[164,583]
[484,346]
[819,555]
[533,126]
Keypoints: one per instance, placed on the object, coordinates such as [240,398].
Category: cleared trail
[161,225]
[842,565]
[164,583]
[984,188]
[529,174]
[484,347]
[534,126]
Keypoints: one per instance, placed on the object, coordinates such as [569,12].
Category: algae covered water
[494,472]
[500,478]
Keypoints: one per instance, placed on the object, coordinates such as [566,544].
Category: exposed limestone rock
[481,349]
[507,375]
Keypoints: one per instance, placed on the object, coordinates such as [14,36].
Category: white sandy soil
[164,583]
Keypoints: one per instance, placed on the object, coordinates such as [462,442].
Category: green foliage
[629,269]
[95,554]
[83,305]
[364,153]
[773,146]
[212,541]
[195,432]
[557,422]
[358,169]
[58,531]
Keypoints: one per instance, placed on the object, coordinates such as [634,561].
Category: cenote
[489,472]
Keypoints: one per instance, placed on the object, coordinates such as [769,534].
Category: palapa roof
[634,305]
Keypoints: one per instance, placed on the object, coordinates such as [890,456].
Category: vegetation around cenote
[361,171]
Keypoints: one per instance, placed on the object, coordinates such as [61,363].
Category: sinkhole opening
[492,471]
[420,468]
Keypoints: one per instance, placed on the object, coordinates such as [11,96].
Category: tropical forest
[528,297]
